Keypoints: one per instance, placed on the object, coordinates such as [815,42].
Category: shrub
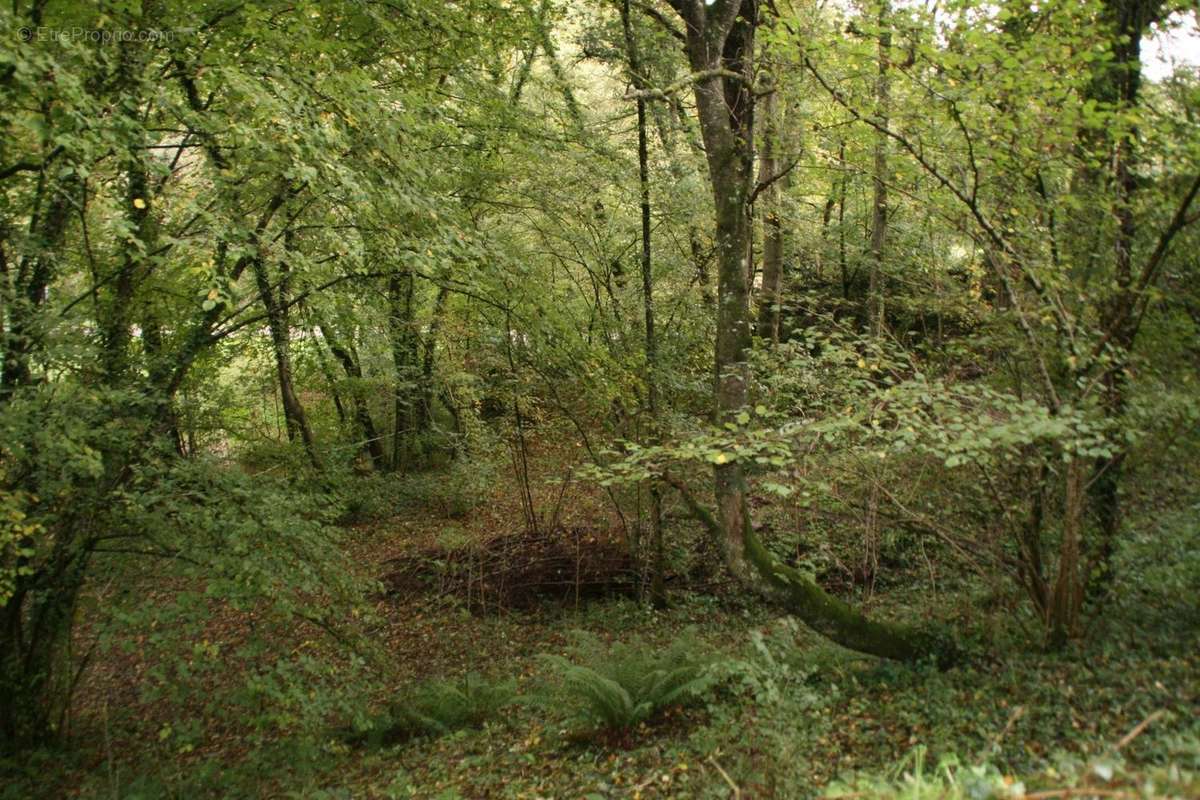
[630,683]
[453,491]
[435,708]
[777,673]
[90,492]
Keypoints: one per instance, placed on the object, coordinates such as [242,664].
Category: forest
[599,399]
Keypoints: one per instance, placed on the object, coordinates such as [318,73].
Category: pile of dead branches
[518,570]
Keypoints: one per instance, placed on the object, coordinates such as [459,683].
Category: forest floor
[801,714]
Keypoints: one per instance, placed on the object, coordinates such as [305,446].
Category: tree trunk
[1067,599]
[720,45]
[404,363]
[277,324]
[1119,83]
[657,585]
[879,212]
[331,379]
[772,275]
[35,625]
[821,611]
[726,118]
[32,277]
[362,414]
[429,357]
[841,218]
[117,313]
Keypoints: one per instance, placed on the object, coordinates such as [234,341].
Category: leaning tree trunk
[720,46]
[362,414]
[831,617]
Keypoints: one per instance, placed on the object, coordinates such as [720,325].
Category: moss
[836,619]
[819,610]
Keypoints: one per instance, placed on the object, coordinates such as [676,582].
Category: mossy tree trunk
[829,616]
[720,47]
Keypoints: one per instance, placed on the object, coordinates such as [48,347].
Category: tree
[720,50]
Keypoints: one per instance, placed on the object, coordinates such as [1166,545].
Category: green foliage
[618,688]
[952,779]
[64,450]
[205,540]
[414,218]
[453,491]
[18,537]
[840,393]
[437,707]
[775,672]
[912,779]
[254,555]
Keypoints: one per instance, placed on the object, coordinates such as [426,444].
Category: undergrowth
[617,688]
[435,708]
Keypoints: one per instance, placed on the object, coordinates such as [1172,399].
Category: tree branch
[683,83]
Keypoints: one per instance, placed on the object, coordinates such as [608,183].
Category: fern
[631,683]
[436,708]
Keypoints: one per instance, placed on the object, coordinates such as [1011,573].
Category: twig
[1017,713]
[737,793]
[1079,791]
[1138,729]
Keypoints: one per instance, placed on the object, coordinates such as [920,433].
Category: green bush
[630,683]
[453,491]
[775,672]
[91,495]
[435,708]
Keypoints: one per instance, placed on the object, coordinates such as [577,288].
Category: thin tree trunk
[520,447]
[1067,599]
[841,218]
[879,211]
[657,584]
[429,357]
[362,413]
[772,277]
[277,324]
[404,363]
